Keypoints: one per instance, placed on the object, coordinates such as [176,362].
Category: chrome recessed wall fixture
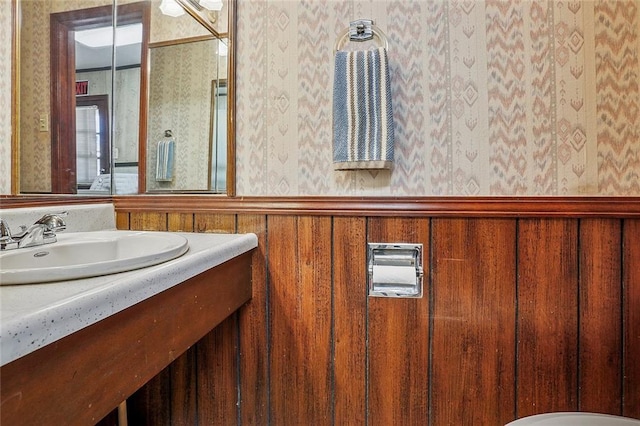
[394,270]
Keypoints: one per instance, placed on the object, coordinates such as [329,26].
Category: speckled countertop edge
[33,316]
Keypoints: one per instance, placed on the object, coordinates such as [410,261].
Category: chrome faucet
[43,231]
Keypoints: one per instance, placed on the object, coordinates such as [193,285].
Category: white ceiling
[100,57]
[94,47]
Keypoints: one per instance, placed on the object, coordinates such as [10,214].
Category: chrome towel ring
[361,30]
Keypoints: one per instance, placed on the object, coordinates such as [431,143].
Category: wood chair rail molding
[19,201]
[619,207]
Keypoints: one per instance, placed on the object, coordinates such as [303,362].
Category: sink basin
[89,254]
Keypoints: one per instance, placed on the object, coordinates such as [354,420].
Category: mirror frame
[231,145]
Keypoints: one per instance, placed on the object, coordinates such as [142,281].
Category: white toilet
[574,419]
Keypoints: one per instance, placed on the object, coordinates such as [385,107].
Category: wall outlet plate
[43,123]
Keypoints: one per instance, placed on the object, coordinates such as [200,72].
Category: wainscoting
[526,310]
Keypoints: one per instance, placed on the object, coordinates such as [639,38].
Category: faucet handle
[5,232]
[53,221]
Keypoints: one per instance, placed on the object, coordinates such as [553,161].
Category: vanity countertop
[36,315]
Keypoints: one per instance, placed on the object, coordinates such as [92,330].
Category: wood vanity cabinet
[84,376]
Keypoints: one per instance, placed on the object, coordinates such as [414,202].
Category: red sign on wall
[82,87]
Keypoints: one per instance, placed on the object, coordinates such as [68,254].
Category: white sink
[89,254]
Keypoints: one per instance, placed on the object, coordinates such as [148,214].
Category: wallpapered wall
[496,97]
[501,97]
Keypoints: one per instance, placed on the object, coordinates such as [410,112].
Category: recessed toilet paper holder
[394,270]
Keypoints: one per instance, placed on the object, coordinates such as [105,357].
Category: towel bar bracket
[361,30]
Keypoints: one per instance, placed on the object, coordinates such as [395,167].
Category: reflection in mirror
[92,140]
[105,165]
[219,131]
[188,69]
[46,107]
[56,72]
[185,102]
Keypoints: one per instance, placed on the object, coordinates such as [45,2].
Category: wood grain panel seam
[238,363]
[579,308]
[623,341]
[267,283]
[622,317]
[332,328]
[431,294]
[517,322]
[366,332]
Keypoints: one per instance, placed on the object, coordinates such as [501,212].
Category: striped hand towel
[362,111]
[164,160]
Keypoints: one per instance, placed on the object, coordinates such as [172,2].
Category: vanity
[76,349]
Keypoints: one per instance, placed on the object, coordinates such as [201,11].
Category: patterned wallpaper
[168,28]
[5,97]
[496,97]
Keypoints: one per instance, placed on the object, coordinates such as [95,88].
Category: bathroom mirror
[38,165]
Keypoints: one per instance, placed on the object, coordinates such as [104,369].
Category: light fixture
[171,8]
[211,4]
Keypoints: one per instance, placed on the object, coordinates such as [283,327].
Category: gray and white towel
[362,111]
[164,160]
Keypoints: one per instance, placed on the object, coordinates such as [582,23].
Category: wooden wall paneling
[631,318]
[474,319]
[252,320]
[299,276]
[183,398]
[600,375]
[561,346]
[349,319]
[214,222]
[150,405]
[180,222]
[398,336]
[216,392]
[122,220]
[168,395]
[148,221]
[547,378]
[172,396]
